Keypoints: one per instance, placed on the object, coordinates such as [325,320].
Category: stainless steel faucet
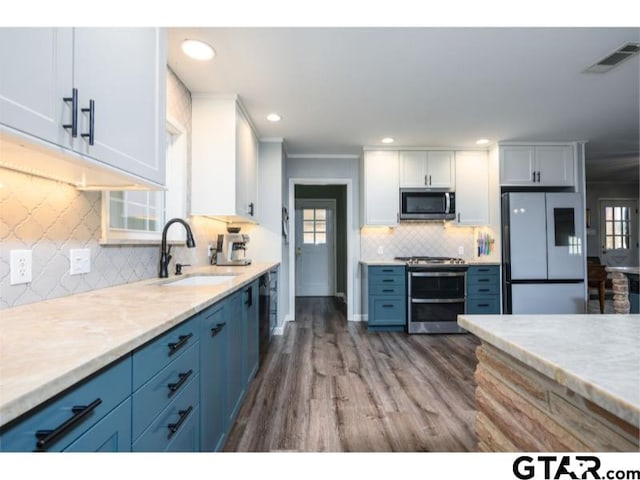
[165,251]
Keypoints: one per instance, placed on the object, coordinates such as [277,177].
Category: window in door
[314,226]
[616,227]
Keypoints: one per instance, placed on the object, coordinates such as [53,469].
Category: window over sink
[139,216]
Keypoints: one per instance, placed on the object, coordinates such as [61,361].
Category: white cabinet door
[246,168]
[123,70]
[32,101]
[381,188]
[472,188]
[413,165]
[517,165]
[555,165]
[440,169]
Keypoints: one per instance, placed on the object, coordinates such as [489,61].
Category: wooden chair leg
[601,295]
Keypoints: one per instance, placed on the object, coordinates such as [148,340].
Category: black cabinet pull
[174,427]
[74,113]
[217,329]
[387,306]
[483,304]
[483,269]
[387,270]
[182,341]
[92,116]
[182,377]
[387,280]
[80,412]
[249,293]
[484,280]
[484,289]
[251,207]
[387,289]
[538,176]
[533,176]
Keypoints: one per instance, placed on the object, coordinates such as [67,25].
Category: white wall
[347,168]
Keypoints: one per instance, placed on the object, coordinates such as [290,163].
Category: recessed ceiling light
[388,140]
[482,141]
[197,50]
[274,117]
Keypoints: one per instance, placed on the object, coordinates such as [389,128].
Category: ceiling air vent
[623,53]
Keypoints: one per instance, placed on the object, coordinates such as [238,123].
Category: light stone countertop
[625,270]
[383,263]
[46,347]
[596,356]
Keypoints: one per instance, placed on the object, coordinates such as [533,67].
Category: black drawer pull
[387,270]
[387,280]
[182,341]
[388,306]
[217,329]
[174,427]
[249,293]
[182,377]
[484,280]
[92,115]
[80,412]
[484,289]
[483,305]
[387,289]
[483,269]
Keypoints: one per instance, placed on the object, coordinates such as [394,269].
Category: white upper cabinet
[380,189]
[123,70]
[36,73]
[224,164]
[98,92]
[472,188]
[537,165]
[432,169]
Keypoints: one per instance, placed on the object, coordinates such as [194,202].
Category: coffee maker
[231,248]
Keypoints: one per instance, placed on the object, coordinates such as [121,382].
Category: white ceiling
[339,89]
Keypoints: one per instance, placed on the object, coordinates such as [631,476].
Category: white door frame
[330,204]
[292,234]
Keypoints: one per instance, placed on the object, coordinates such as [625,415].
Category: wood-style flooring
[328,385]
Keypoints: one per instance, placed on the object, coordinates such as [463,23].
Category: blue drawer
[157,393]
[157,354]
[387,311]
[187,439]
[483,305]
[483,279]
[382,289]
[399,280]
[159,435]
[386,271]
[482,289]
[101,392]
[483,270]
[111,434]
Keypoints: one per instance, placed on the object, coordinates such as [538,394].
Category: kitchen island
[625,297]
[557,382]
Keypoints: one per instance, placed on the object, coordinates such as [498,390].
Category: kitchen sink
[199,280]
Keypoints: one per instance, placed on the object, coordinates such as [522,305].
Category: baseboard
[341,296]
[357,317]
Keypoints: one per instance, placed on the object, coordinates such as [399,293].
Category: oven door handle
[437,274]
[437,300]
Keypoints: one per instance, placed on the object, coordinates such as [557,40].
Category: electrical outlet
[79,260]
[380,250]
[20,267]
[460,250]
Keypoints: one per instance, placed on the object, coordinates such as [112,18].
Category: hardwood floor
[329,386]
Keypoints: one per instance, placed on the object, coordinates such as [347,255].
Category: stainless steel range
[436,293]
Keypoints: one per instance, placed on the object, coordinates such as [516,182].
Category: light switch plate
[80,261]
[20,267]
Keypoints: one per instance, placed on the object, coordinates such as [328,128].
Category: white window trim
[175,199]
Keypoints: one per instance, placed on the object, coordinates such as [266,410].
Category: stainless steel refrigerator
[543,253]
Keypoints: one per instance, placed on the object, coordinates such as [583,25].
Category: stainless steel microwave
[426,204]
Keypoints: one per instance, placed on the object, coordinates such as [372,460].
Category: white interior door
[315,247]
[619,232]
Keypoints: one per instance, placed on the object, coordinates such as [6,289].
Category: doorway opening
[320,263]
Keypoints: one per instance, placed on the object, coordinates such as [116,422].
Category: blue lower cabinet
[387,298]
[111,434]
[213,376]
[56,424]
[176,417]
[236,348]
[483,290]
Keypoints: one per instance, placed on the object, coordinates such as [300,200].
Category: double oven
[435,294]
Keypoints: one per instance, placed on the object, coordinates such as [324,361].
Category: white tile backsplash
[420,239]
